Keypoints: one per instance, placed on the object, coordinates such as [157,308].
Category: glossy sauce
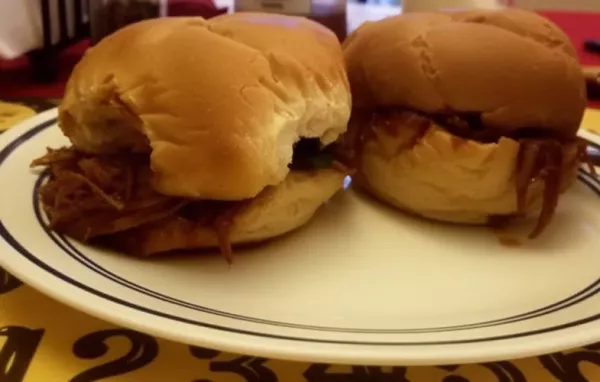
[509,241]
[540,159]
[335,21]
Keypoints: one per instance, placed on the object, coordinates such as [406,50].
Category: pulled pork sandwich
[466,117]
[190,134]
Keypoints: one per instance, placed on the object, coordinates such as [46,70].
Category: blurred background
[41,40]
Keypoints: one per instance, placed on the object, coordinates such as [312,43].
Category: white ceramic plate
[361,284]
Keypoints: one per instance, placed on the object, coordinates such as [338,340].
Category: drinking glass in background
[432,5]
[331,13]
[106,16]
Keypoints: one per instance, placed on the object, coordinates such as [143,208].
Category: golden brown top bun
[219,103]
[513,66]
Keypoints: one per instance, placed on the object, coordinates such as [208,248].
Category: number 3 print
[251,368]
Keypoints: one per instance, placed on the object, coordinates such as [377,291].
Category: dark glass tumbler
[107,16]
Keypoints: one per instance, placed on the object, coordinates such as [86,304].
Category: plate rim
[68,246]
[247,347]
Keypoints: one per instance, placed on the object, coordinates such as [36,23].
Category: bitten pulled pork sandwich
[465,117]
[189,133]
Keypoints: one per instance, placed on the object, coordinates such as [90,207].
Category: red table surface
[16,80]
[580,26]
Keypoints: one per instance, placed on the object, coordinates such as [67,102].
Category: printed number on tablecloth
[566,367]
[17,352]
[143,350]
[251,368]
[8,282]
[321,373]
[504,372]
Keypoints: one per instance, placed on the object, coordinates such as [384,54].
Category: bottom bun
[446,178]
[274,212]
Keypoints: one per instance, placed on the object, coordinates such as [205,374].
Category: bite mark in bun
[189,133]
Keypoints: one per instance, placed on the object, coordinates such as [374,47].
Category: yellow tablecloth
[591,121]
[44,341]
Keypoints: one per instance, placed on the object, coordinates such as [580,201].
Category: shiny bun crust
[513,66]
[275,211]
[451,179]
[219,103]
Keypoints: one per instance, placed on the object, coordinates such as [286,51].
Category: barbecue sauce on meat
[541,157]
[89,197]
[101,196]
[362,129]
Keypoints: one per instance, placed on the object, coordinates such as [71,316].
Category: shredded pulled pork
[543,159]
[540,158]
[90,197]
[110,198]
[363,125]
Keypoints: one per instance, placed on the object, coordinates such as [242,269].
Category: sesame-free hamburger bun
[465,116]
